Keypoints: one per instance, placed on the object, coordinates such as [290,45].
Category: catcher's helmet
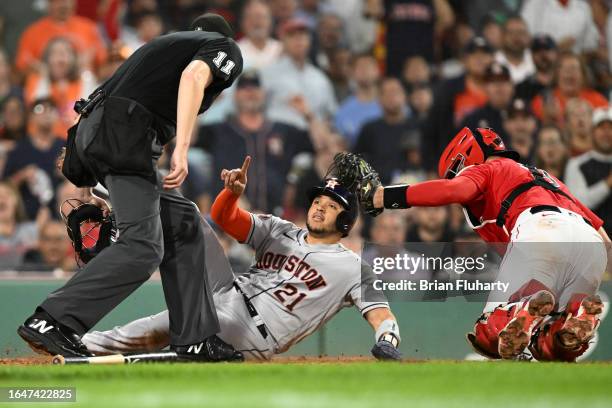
[89,230]
[468,148]
[333,189]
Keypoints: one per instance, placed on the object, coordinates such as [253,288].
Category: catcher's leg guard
[505,332]
[566,336]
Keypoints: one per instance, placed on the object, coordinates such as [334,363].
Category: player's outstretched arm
[225,211]
[195,77]
[431,193]
[387,335]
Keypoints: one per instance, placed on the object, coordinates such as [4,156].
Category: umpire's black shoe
[213,349]
[46,336]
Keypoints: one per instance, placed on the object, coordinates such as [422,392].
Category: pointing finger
[245,165]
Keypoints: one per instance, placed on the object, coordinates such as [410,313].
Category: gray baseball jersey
[296,287]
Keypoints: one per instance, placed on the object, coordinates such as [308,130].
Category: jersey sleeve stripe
[373,306]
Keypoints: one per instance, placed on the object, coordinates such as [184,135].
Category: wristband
[394,197]
[386,328]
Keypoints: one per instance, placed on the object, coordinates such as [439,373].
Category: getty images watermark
[411,264]
[431,271]
[471,270]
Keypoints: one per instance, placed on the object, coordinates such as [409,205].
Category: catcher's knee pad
[485,337]
[566,335]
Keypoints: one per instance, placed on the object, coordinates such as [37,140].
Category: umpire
[157,93]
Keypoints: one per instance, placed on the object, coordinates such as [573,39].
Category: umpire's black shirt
[152,74]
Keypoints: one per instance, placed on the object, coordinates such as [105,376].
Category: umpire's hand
[235,180]
[178,170]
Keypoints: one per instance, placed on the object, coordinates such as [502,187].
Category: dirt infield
[43,360]
[24,361]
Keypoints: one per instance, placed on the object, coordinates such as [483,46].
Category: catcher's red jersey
[496,179]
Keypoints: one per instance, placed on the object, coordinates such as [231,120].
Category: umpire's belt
[253,313]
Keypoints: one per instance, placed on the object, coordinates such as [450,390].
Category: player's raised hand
[235,180]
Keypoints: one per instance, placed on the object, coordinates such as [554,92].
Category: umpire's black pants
[157,228]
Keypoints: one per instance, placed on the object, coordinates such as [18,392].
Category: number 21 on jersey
[285,296]
[229,64]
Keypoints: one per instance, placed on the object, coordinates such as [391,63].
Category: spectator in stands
[493,32]
[480,11]
[61,80]
[579,126]
[53,252]
[569,22]
[416,71]
[13,122]
[571,83]
[339,73]
[360,28]
[389,229]
[31,164]
[499,91]
[380,141]
[60,22]
[545,57]
[411,27]
[6,86]
[456,98]
[283,11]
[294,77]
[329,37]
[271,144]
[515,54]
[148,25]
[589,176]
[307,170]
[362,106]
[259,50]
[430,225]
[106,13]
[551,151]
[521,126]
[17,235]
[420,100]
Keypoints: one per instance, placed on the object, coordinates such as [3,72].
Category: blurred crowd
[393,80]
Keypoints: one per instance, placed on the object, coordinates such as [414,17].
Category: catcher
[301,278]
[556,251]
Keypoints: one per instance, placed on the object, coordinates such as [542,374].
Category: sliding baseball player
[301,278]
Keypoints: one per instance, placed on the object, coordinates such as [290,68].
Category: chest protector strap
[540,179]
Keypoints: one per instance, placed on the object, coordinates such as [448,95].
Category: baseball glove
[356,174]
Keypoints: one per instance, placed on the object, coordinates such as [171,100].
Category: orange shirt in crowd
[594,98]
[467,102]
[82,32]
[63,94]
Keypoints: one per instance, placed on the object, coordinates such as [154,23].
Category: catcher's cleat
[213,349]
[515,336]
[580,327]
[45,335]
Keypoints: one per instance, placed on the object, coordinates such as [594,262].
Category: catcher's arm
[387,335]
[459,190]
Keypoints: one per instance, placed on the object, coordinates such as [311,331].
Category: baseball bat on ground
[165,357]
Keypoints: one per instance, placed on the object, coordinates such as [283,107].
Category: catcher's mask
[88,228]
[333,189]
[468,148]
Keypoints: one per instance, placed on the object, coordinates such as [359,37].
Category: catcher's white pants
[559,250]
[151,333]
